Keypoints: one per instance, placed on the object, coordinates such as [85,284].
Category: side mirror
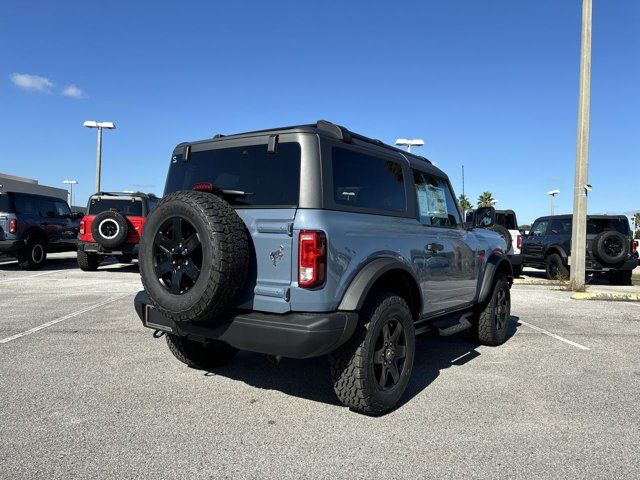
[484,217]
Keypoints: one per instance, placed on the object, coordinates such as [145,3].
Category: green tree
[636,223]
[485,199]
[465,204]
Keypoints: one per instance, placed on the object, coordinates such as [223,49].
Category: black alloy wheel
[501,311]
[613,246]
[177,255]
[390,354]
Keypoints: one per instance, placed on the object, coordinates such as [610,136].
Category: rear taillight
[82,227]
[634,246]
[519,241]
[312,247]
[13,225]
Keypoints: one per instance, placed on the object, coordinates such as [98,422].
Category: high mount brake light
[634,246]
[13,225]
[207,187]
[312,247]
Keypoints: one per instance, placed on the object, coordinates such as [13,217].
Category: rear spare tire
[504,233]
[610,248]
[110,229]
[194,256]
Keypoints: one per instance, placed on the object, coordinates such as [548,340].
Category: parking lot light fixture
[99,126]
[553,194]
[404,142]
[71,183]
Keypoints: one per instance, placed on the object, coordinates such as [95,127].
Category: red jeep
[112,227]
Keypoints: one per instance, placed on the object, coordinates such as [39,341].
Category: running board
[462,325]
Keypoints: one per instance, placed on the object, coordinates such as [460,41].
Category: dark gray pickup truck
[33,225]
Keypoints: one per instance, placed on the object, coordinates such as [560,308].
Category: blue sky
[488,84]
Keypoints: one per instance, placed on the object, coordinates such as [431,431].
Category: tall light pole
[415,142]
[579,229]
[553,194]
[99,126]
[71,183]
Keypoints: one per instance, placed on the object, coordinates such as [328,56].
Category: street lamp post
[415,142]
[71,183]
[553,194]
[99,126]
[579,228]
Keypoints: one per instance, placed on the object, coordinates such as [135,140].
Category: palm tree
[464,203]
[636,224]
[485,200]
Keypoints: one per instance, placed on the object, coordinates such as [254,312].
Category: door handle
[433,247]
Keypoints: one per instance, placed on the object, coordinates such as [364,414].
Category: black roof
[321,127]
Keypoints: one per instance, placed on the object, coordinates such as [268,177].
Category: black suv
[611,250]
[32,225]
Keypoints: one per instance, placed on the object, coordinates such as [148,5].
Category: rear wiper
[236,193]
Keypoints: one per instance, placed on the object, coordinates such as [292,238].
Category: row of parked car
[33,225]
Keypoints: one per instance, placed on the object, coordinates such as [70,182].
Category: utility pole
[579,229]
[99,126]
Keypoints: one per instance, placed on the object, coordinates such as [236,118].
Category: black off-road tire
[88,262]
[225,256]
[33,255]
[517,270]
[504,233]
[487,329]
[110,217]
[600,251]
[352,368]
[555,268]
[198,355]
[620,277]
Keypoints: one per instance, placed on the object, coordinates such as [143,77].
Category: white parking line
[553,335]
[61,319]
[28,276]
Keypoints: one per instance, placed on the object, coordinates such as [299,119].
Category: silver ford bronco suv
[313,240]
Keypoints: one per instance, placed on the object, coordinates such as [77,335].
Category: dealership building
[11,183]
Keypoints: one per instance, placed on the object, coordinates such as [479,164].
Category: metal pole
[463,179]
[99,159]
[553,197]
[71,195]
[579,233]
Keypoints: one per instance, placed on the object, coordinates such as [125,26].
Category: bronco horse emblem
[277,255]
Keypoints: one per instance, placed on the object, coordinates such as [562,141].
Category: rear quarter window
[365,181]
[266,180]
[5,203]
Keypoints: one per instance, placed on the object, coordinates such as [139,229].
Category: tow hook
[274,359]
[158,333]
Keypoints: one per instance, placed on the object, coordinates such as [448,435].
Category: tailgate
[270,269]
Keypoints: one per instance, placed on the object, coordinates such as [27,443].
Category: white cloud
[73,92]
[32,83]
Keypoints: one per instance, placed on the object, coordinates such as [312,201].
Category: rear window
[259,179]
[368,182]
[507,220]
[5,203]
[599,225]
[131,207]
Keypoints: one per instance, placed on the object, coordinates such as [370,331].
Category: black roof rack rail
[121,194]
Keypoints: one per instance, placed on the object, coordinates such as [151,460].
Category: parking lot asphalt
[86,392]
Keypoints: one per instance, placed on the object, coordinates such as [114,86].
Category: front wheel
[492,319]
[555,268]
[198,355]
[371,371]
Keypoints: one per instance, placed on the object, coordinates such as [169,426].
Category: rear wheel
[33,255]
[198,355]
[492,319]
[555,268]
[371,371]
[88,262]
[620,277]
[517,270]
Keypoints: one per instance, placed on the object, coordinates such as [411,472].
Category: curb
[610,297]
[526,281]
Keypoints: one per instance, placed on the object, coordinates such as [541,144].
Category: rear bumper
[593,266]
[11,245]
[516,259]
[124,249]
[293,335]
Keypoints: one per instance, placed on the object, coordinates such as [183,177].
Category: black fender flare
[556,249]
[356,293]
[496,262]
[35,232]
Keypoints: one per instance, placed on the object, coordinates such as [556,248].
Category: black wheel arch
[387,274]
[556,249]
[498,262]
[36,232]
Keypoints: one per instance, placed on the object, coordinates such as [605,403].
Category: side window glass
[539,228]
[26,205]
[62,210]
[436,204]
[46,208]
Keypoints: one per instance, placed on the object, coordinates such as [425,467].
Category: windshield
[258,177]
[507,220]
[128,207]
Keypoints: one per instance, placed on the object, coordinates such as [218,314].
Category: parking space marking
[28,276]
[61,319]
[553,335]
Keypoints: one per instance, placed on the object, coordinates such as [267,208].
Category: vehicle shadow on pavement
[310,379]
[11,264]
